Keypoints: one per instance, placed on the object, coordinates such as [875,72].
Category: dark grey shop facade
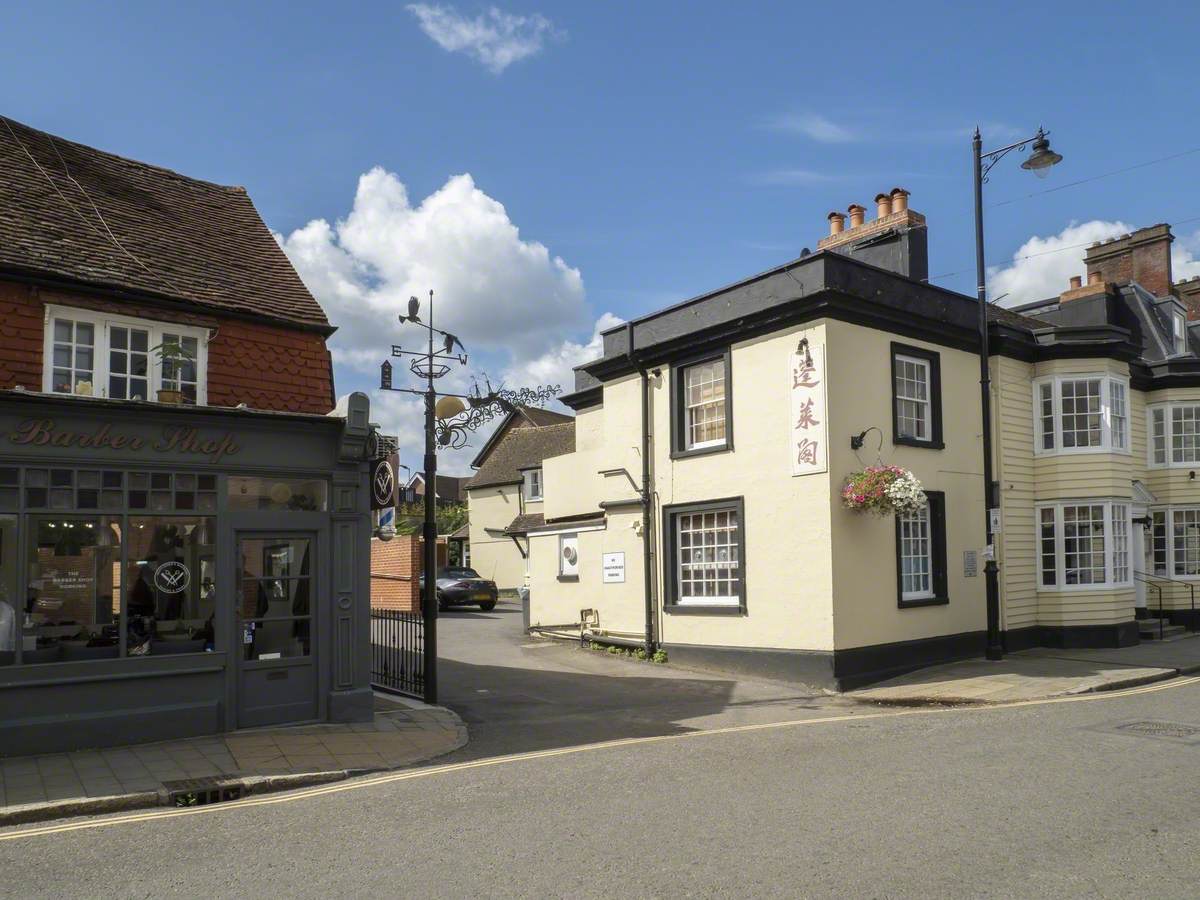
[169,572]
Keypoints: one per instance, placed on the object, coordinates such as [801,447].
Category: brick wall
[396,570]
[262,365]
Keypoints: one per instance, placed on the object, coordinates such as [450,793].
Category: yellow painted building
[701,510]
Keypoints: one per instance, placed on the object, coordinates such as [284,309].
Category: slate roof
[522,417]
[80,215]
[522,523]
[522,448]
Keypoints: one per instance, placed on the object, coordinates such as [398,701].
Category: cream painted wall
[864,547]
[620,605]
[493,554]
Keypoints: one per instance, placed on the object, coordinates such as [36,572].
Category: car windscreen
[458,573]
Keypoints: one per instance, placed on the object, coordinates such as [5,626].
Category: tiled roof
[522,523]
[522,448]
[522,417]
[77,214]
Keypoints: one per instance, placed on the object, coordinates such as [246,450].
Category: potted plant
[883,491]
[171,353]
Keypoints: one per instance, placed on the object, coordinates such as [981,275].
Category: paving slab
[404,732]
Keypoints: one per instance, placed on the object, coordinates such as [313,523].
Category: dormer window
[92,354]
[1179,332]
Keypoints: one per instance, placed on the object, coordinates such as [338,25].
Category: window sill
[923,601]
[684,609]
[701,451]
[915,442]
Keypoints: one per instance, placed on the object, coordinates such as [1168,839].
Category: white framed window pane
[912,398]
[1179,332]
[1081,413]
[1118,415]
[1185,434]
[916,555]
[1048,552]
[1083,544]
[1158,436]
[1158,542]
[181,375]
[1120,543]
[128,363]
[1186,541]
[708,569]
[73,357]
[1046,413]
[704,404]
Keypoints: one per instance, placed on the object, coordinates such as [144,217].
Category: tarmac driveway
[518,694]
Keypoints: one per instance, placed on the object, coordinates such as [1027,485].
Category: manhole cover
[1161,729]
[202,791]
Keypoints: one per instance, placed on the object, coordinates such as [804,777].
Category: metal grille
[201,791]
[398,652]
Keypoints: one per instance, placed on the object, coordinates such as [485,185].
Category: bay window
[94,354]
[1083,545]
[1173,431]
[1081,414]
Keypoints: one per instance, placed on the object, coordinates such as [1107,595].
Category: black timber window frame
[670,555]
[937,557]
[679,447]
[933,360]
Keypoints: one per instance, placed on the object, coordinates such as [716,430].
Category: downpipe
[650,645]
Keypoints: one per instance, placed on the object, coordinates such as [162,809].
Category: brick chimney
[1189,292]
[1143,256]
[896,240]
[1078,289]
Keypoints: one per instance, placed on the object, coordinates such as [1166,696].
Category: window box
[916,397]
[705,549]
[1080,414]
[702,408]
[93,354]
[1084,545]
[921,554]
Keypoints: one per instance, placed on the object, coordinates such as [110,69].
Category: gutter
[647,539]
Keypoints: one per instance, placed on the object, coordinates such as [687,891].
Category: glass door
[274,619]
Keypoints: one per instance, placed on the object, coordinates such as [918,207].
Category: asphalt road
[1050,799]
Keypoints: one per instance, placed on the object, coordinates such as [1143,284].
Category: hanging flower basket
[883,491]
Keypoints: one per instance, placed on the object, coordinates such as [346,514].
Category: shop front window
[170,599]
[10,603]
[274,605]
[278,494]
[72,604]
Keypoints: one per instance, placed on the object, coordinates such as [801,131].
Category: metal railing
[1149,579]
[398,652]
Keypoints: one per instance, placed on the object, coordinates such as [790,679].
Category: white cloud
[556,364]
[512,303]
[494,38]
[814,126]
[1042,267]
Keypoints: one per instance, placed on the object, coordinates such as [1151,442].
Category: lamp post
[1039,162]
[448,421]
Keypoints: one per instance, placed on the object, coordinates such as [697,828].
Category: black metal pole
[429,608]
[995,649]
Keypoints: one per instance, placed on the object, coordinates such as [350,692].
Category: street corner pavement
[91,782]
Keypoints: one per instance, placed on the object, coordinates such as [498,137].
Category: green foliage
[411,516]
[660,656]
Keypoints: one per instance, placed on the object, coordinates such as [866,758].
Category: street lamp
[448,420]
[1039,162]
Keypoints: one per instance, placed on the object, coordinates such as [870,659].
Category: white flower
[906,493]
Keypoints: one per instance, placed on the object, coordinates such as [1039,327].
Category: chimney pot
[1095,277]
[1076,281]
[837,222]
[899,200]
[857,213]
[883,205]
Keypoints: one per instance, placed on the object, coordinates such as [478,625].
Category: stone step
[1151,632]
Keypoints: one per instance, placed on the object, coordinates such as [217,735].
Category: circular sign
[172,577]
[383,484]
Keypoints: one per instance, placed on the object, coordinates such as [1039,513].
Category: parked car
[461,586]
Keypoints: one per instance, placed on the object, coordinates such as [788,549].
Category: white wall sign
[614,568]
[568,555]
[806,375]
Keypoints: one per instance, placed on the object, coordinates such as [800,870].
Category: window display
[170,601]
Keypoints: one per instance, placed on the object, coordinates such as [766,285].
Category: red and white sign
[808,432]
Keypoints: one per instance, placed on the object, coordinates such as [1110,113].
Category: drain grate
[201,791]
[1161,729]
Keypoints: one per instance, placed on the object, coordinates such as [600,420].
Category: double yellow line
[410,774]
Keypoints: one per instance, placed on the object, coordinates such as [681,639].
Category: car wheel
[442,604]
[488,605]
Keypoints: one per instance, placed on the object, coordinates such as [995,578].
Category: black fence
[398,652]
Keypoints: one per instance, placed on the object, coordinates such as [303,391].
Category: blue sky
[652,151]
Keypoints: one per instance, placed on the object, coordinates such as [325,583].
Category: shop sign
[806,375]
[179,439]
[383,484]
[614,568]
[172,577]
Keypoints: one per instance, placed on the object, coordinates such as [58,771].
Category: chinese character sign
[807,379]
